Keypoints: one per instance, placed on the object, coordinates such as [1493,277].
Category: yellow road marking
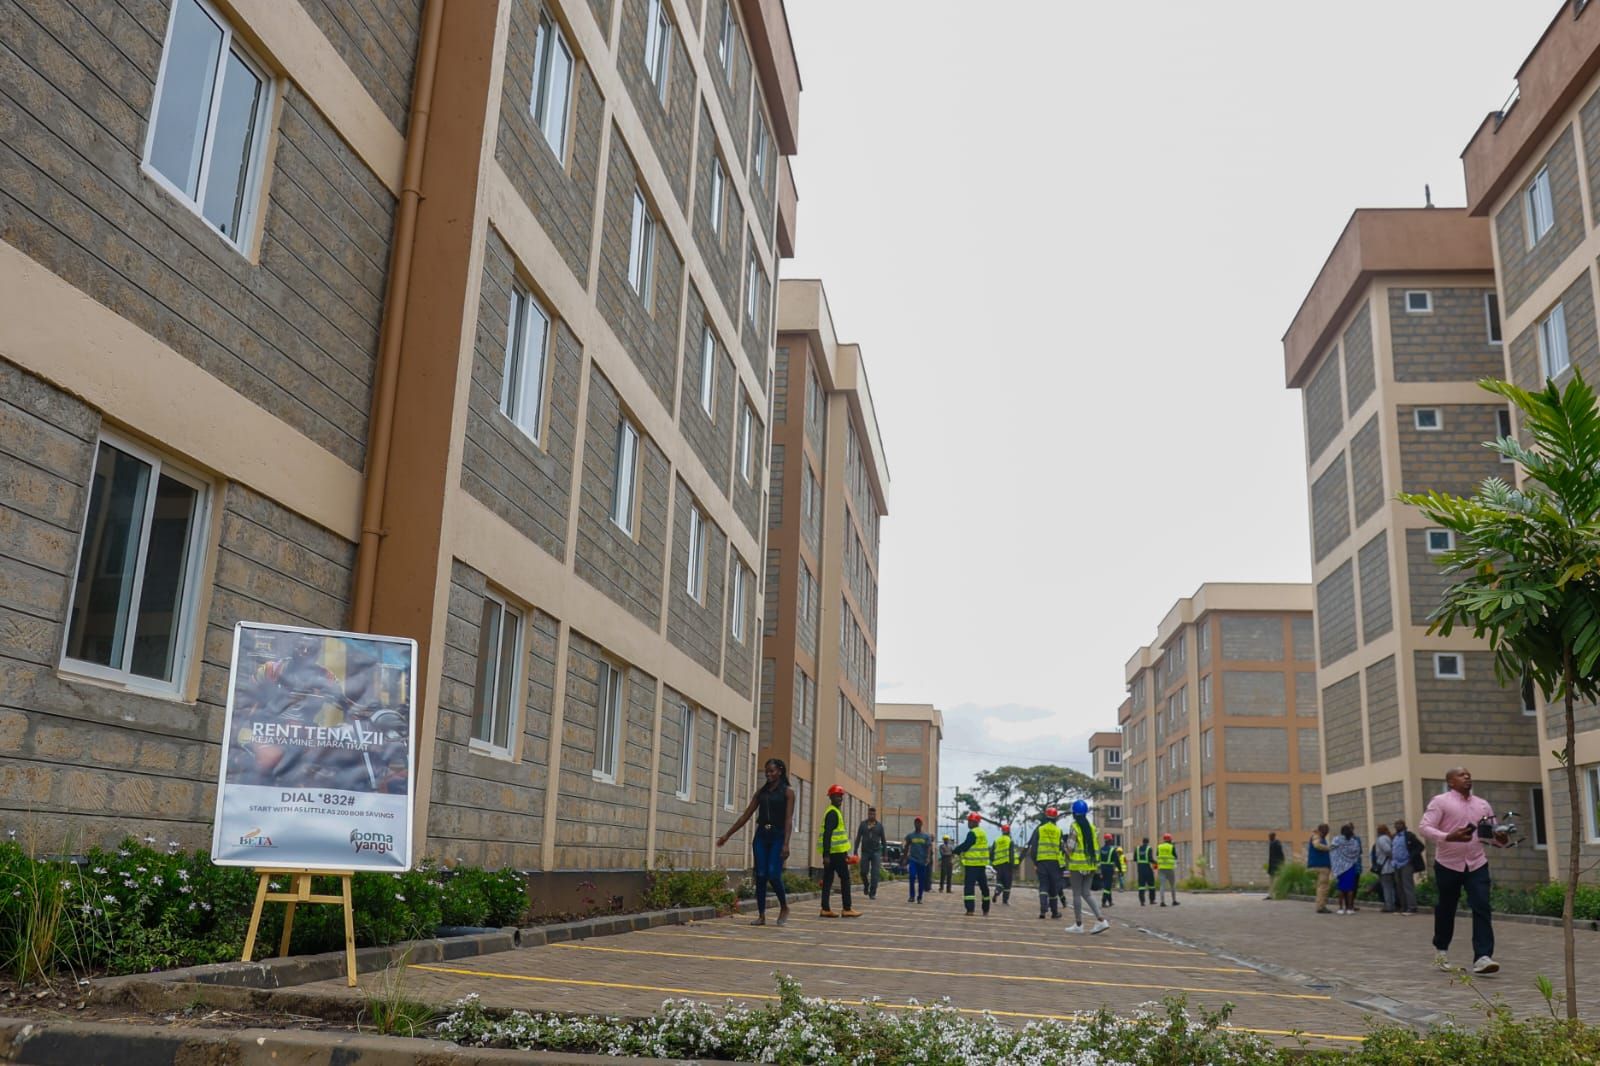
[580,946]
[769,997]
[872,931]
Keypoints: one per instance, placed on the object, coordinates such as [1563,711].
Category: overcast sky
[1069,237]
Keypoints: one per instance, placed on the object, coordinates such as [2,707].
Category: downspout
[394,320]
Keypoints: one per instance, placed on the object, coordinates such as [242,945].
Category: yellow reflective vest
[978,854]
[838,841]
[1002,850]
[1085,857]
[1166,856]
[1048,848]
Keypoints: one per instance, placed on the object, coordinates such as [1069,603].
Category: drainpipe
[394,320]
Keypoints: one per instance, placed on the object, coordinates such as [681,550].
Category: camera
[1488,828]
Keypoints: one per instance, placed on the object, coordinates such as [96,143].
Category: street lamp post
[883,767]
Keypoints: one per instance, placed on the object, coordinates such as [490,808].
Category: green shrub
[670,887]
[477,897]
[1195,883]
[793,882]
[1293,879]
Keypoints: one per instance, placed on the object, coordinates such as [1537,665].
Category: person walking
[1383,865]
[947,858]
[1407,854]
[1112,866]
[835,855]
[1003,856]
[919,855]
[974,852]
[774,801]
[869,848]
[1144,868]
[1317,858]
[1044,848]
[1082,860]
[1344,853]
[1457,823]
[1274,860]
[1167,869]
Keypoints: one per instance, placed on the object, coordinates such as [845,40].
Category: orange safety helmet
[1108,838]
[1167,837]
[1005,827]
[974,818]
[1051,812]
[835,790]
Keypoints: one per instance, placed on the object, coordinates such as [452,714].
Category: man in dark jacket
[869,846]
[1274,860]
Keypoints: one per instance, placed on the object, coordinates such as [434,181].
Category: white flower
[109,899]
[156,880]
[399,897]
[149,840]
[100,870]
[122,853]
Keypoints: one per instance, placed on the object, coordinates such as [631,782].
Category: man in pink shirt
[1451,824]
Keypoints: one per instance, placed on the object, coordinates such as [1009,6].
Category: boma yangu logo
[381,843]
[256,839]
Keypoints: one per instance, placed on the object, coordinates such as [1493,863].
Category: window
[1113,757]
[527,342]
[708,372]
[132,607]
[752,292]
[1440,540]
[1202,639]
[626,476]
[805,592]
[1208,795]
[1205,697]
[1111,812]
[641,247]
[758,154]
[730,766]
[813,395]
[207,126]
[725,43]
[552,85]
[685,751]
[1530,695]
[747,450]
[1591,776]
[494,703]
[738,603]
[1541,212]
[1427,418]
[608,724]
[1205,744]
[1553,342]
[1447,666]
[657,46]
[1541,838]
[698,547]
[1502,419]
[1419,302]
[719,180]
[1491,314]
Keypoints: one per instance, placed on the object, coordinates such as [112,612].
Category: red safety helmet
[835,790]
[1005,827]
[1051,812]
[1108,838]
[974,818]
[1167,837]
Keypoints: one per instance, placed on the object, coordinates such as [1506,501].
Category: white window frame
[1438,419]
[194,567]
[1424,307]
[686,751]
[1591,788]
[730,766]
[1113,757]
[708,373]
[1436,549]
[747,448]
[624,492]
[699,550]
[610,696]
[642,247]
[543,103]
[1492,322]
[1539,207]
[719,187]
[1438,666]
[508,612]
[1206,744]
[758,154]
[736,622]
[1553,348]
[526,313]
[658,47]
[1503,425]
[725,52]
[752,292]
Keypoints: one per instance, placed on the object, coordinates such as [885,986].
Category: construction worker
[1113,864]
[1144,865]
[947,860]
[1167,869]
[1044,848]
[974,852]
[835,855]
[1003,854]
[1082,860]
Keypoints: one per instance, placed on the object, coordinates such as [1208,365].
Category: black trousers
[1147,881]
[976,878]
[835,866]
[1451,883]
[1049,872]
[946,872]
[1108,877]
[1004,874]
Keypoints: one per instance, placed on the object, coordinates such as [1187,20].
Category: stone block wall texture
[1473,715]
[726,810]
[1585,717]
[904,764]
[1589,117]
[1308,751]
[1251,638]
[560,192]
[733,94]
[626,568]
[816,413]
[1336,613]
[1452,458]
[525,482]
[1204,635]
[711,436]
[1324,401]
[296,332]
[1388,805]
[720,248]
[763,190]
[902,797]
[1255,749]
[1330,509]
[669,125]
[1428,580]
[1383,710]
[695,625]
[1577,307]
[486,810]
[1303,634]
[1522,268]
[1247,860]
[755,337]
[1311,814]
[1360,376]
[1523,865]
[738,660]
[1449,343]
[903,735]
[1350,807]
[1254,692]
[767,697]
[1341,724]
[602,15]
[378,42]
[748,492]
[808,612]
[1377,610]
[1366,470]
[804,734]
[1305,693]
[648,330]
[1253,805]
[683,824]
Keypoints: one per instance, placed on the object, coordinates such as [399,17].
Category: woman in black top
[775,803]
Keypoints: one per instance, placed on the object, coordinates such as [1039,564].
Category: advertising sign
[317,757]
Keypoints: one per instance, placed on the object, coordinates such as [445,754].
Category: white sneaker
[1073,929]
[1341,910]
[1101,926]
[1441,961]
[1485,965]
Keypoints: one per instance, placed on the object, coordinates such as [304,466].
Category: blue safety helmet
[1079,807]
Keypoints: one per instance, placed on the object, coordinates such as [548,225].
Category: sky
[1069,237]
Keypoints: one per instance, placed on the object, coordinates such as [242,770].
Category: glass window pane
[535,339]
[228,174]
[103,597]
[505,688]
[488,666]
[558,92]
[516,317]
[166,566]
[636,245]
[188,77]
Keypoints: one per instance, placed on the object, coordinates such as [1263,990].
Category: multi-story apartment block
[908,744]
[456,328]
[1219,732]
[1402,322]
[830,488]
[1105,765]
[1533,174]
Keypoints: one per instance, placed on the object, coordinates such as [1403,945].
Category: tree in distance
[1012,793]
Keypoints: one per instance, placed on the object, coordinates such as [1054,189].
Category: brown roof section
[773,51]
[1105,740]
[1405,240]
[1548,83]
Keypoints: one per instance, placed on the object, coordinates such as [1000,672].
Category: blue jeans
[768,845]
[919,877]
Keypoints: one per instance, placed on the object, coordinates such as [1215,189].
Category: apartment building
[1219,731]
[1533,179]
[1105,764]
[829,490]
[455,328]
[1387,349]
[908,747]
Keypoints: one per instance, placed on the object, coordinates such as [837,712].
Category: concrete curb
[1463,912]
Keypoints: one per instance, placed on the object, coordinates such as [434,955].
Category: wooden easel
[302,894]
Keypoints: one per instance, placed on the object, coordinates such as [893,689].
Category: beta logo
[377,843]
[256,839]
